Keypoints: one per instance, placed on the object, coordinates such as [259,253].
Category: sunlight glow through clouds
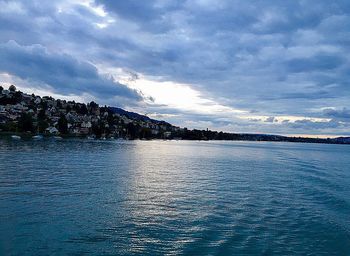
[93,7]
[178,96]
[68,6]
[183,97]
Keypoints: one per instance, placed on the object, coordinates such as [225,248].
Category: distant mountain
[135,116]
[345,140]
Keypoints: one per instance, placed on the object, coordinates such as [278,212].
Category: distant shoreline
[29,136]
[28,115]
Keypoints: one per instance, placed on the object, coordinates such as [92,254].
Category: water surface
[76,197]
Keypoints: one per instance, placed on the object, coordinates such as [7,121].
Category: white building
[52,130]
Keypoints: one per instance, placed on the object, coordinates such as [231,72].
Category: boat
[90,137]
[37,137]
[15,137]
[57,137]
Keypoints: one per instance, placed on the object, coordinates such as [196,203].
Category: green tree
[82,110]
[17,97]
[43,105]
[9,127]
[42,125]
[133,130]
[97,129]
[146,133]
[68,109]
[93,105]
[42,114]
[59,103]
[63,124]
[12,88]
[25,123]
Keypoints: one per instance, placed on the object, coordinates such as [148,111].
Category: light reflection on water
[173,197]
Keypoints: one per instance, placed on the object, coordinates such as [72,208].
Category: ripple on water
[174,198]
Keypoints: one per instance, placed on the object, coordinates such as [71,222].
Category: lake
[76,197]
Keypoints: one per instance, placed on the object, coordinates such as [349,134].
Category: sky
[277,67]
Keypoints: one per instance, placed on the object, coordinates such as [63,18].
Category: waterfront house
[52,130]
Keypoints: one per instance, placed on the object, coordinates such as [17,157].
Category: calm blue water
[76,197]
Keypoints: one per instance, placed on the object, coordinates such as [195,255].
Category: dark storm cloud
[316,125]
[301,95]
[151,15]
[271,119]
[62,72]
[281,57]
[343,114]
[320,63]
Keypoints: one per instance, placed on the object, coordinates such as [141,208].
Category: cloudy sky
[267,66]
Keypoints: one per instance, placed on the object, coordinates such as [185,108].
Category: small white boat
[57,137]
[15,137]
[90,137]
[37,137]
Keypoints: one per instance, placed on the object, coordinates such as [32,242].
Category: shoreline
[29,136]
[46,116]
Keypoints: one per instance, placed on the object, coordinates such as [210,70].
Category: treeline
[214,135]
